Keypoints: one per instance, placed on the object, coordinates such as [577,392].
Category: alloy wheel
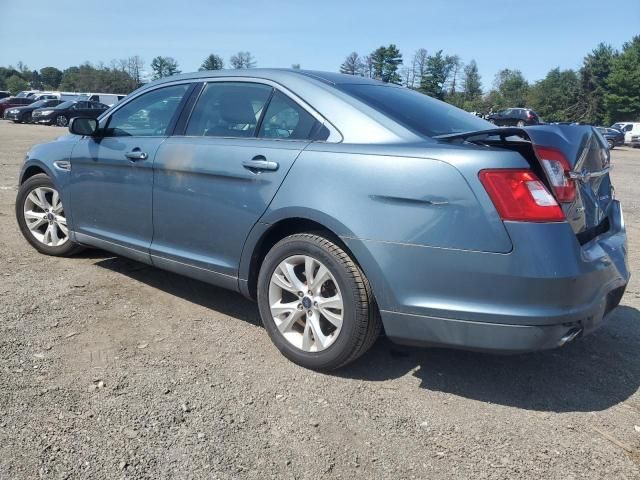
[306,303]
[44,217]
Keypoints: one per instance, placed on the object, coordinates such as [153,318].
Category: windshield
[64,105]
[416,111]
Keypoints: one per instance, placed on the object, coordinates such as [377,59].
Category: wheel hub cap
[306,303]
[44,216]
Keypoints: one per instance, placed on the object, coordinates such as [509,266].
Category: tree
[164,67]
[555,96]
[436,74]
[88,78]
[242,60]
[512,88]
[135,69]
[471,82]
[417,69]
[623,99]
[352,65]
[212,62]
[596,67]
[16,84]
[51,77]
[385,62]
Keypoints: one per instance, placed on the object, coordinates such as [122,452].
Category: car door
[112,175]
[212,184]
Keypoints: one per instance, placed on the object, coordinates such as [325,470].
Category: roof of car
[274,74]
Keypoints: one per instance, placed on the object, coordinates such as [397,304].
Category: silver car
[345,207]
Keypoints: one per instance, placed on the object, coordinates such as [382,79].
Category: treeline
[605,89]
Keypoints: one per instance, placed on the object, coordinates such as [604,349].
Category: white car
[629,129]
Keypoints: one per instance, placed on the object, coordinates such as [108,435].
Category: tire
[611,145]
[360,324]
[62,121]
[59,245]
[521,124]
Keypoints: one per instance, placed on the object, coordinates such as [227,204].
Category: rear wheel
[62,120]
[611,144]
[41,217]
[316,303]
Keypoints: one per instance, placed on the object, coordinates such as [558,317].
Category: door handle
[259,163]
[136,154]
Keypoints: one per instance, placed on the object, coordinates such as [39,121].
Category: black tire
[40,180]
[611,145]
[361,321]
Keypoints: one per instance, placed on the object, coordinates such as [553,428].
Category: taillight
[557,168]
[520,196]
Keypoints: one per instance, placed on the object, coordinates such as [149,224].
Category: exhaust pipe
[570,336]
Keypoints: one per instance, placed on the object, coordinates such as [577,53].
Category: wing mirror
[83,126]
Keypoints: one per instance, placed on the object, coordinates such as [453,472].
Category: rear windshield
[416,111]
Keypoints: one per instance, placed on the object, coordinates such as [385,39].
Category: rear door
[212,184]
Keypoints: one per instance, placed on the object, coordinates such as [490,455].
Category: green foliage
[15,84]
[511,88]
[87,78]
[623,98]
[554,98]
[437,73]
[385,62]
[471,82]
[50,77]
[212,62]
[590,106]
[164,67]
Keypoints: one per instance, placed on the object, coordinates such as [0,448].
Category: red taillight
[520,196]
[557,168]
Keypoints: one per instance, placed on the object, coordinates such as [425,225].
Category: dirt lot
[112,369]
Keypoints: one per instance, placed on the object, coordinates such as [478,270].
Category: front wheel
[41,217]
[315,303]
[62,121]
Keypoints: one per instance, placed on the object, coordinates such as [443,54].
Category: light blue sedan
[345,207]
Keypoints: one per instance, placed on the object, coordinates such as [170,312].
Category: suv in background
[514,117]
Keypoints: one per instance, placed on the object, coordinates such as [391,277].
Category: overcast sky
[531,36]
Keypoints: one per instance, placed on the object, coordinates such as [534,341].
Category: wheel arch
[267,235]
[33,169]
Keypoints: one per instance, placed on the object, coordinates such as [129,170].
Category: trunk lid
[588,158]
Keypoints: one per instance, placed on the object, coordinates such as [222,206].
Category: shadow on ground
[591,374]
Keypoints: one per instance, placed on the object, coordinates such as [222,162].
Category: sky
[530,36]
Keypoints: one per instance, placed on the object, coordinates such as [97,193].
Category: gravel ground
[112,369]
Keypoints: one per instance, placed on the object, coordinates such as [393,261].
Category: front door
[214,183]
[112,174]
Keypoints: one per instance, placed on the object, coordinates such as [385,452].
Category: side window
[627,128]
[81,106]
[228,109]
[148,115]
[286,119]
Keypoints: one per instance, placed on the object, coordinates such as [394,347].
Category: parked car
[343,204]
[109,99]
[23,114]
[630,129]
[10,102]
[26,93]
[514,117]
[614,137]
[619,125]
[635,141]
[4,94]
[65,111]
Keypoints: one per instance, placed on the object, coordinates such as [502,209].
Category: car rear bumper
[548,289]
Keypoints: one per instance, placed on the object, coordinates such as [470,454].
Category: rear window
[416,111]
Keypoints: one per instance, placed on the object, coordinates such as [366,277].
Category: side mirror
[83,126]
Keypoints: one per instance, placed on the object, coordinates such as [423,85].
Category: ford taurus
[345,207]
